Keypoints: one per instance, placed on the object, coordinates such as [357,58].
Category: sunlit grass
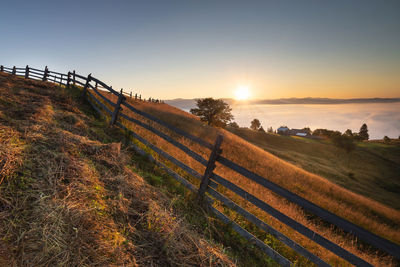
[360,210]
[372,169]
[69,196]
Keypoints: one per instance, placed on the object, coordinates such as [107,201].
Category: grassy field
[372,169]
[72,195]
[363,211]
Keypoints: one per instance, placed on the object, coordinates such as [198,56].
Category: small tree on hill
[307,130]
[234,125]
[344,142]
[363,133]
[386,139]
[214,112]
[326,133]
[270,130]
[348,132]
[261,129]
[255,124]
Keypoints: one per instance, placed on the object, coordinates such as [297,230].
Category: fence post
[114,117]
[88,79]
[61,79]
[26,72]
[68,78]
[1,68]
[131,94]
[14,71]
[96,85]
[73,77]
[216,151]
[46,71]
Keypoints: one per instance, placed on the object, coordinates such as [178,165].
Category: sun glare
[242,93]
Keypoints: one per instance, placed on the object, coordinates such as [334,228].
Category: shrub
[344,142]
[234,125]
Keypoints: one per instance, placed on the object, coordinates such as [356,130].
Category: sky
[194,49]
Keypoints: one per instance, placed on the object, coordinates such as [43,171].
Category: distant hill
[190,103]
[310,100]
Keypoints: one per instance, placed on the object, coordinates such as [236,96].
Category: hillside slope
[82,175]
[71,196]
[372,170]
[363,211]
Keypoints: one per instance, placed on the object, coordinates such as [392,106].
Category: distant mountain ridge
[188,103]
[311,100]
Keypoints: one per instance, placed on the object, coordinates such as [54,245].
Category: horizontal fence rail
[339,251]
[93,92]
[345,225]
[172,141]
[170,127]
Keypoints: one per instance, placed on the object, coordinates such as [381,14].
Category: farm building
[283,130]
[298,132]
[301,134]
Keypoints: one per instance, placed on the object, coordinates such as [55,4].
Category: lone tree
[363,133]
[344,142]
[261,129]
[255,124]
[214,112]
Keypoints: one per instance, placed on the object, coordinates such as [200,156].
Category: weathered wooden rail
[209,181]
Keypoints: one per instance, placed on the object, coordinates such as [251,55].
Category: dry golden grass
[68,199]
[373,165]
[367,213]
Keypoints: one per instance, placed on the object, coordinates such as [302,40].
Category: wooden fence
[209,181]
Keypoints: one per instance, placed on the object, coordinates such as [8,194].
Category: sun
[242,93]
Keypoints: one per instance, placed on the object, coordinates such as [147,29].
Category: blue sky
[188,49]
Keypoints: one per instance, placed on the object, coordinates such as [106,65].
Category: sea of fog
[382,118]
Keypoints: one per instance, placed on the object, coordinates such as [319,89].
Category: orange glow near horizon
[242,93]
